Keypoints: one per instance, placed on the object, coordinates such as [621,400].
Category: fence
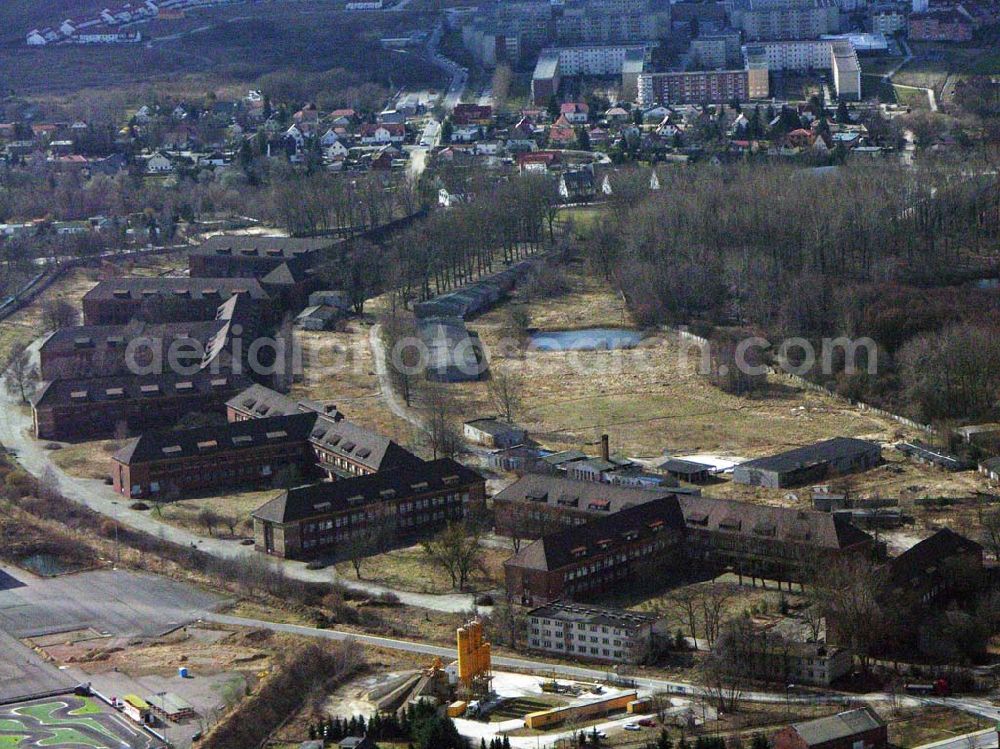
[815,387]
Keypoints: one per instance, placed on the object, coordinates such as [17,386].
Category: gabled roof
[840,726]
[600,537]
[232,436]
[838,447]
[264,403]
[64,392]
[287,274]
[924,558]
[790,525]
[251,245]
[192,288]
[317,500]
[533,488]
[359,444]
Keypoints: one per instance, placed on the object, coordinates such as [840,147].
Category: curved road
[15,434]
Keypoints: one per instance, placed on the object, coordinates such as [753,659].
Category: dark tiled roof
[130,387]
[240,435]
[259,246]
[287,274]
[183,288]
[587,496]
[262,403]
[675,465]
[117,337]
[599,537]
[925,557]
[840,726]
[816,529]
[828,450]
[360,445]
[317,500]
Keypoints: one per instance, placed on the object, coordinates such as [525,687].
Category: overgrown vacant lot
[412,570]
[25,325]
[650,399]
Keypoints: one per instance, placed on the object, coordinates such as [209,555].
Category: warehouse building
[837,456]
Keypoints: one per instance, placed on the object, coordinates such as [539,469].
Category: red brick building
[940,26]
[164,300]
[250,256]
[166,464]
[324,518]
[343,448]
[589,559]
[100,407]
[853,729]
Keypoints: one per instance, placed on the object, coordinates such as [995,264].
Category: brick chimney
[605,447]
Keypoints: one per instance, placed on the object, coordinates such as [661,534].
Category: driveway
[15,434]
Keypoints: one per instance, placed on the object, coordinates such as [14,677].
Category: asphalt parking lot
[115,602]
[112,602]
[24,673]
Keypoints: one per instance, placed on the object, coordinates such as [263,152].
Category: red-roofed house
[576,113]
[382,133]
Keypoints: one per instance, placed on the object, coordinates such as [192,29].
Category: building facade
[166,464]
[590,633]
[802,465]
[327,518]
[163,300]
[694,87]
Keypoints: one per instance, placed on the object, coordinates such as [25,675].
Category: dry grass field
[651,399]
[410,569]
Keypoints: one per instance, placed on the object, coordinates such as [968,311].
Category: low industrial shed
[816,462]
[494,433]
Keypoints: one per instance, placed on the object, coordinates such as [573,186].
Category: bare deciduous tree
[21,376]
[505,387]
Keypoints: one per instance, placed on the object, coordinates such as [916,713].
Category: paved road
[24,673]
[15,431]
[986,739]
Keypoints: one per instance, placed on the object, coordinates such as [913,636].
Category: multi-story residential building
[165,464]
[947,25]
[162,300]
[784,19]
[584,60]
[590,632]
[70,409]
[694,87]
[717,51]
[589,559]
[324,518]
[582,25]
[887,19]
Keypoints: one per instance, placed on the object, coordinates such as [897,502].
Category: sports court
[69,722]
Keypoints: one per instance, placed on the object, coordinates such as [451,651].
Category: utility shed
[853,729]
[930,455]
[686,470]
[816,462]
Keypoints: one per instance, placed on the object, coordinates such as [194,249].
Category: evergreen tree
[760,742]
[664,742]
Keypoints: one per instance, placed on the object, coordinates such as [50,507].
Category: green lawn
[11,742]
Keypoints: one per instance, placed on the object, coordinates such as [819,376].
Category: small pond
[587,339]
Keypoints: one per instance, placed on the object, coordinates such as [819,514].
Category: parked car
[633,727]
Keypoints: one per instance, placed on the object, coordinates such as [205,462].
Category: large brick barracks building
[166,464]
[161,300]
[322,518]
[594,546]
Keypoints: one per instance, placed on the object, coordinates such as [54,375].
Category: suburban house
[382,133]
[817,462]
[576,113]
[591,633]
[326,518]
[854,729]
[494,433]
[245,453]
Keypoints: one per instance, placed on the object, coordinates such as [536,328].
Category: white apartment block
[839,57]
[589,632]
